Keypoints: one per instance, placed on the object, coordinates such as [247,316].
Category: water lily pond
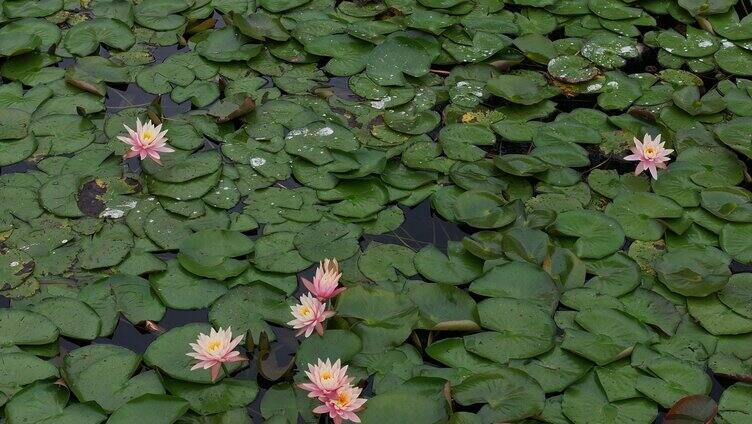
[376,211]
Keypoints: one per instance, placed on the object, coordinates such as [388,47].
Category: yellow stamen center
[343,399]
[326,375]
[213,345]
[305,311]
[650,151]
[147,137]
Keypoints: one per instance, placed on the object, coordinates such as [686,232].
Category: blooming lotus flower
[325,379]
[651,154]
[309,315]
[343,405]
[214,350]
[325,282]
[146,141]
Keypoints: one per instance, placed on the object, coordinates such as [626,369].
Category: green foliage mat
[566,290]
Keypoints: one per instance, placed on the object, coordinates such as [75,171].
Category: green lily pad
[444,307]
[73,317]
[734,294]
[510,395]
[24,9]
[457,267]
[247,309]
[158,409]
[327,239]
[21,327]
[521,330]
[46,402]
[179,289]
[716,317]
[585,402]
[19,369]
[597,234]
[207,399]
[427,403]
[526,88]
[83,39]
[104,374]
[638,214]
[211,253]
[384,261]
[733,405]
[518,280]
[225,45]
[385,65]
[333,345]
[481,209]
[694,271]
[608,335]
[160,15]
[127,294]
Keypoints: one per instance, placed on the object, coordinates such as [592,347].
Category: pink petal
[308,284]
[237,359]
[203,364]
[126,140]
[352,417]
[638,144]
[640,167]
[321,409]
[235,342]
[215,371]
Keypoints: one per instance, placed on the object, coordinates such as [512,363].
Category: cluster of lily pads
[300,130]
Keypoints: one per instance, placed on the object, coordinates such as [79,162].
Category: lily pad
[84,38]
[211,253]
[103,374]
[694,271]
[456,267]
[597,234]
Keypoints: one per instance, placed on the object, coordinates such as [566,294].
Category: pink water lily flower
[325,284]
[325,379]
[309,315]
[343,405]
[146,141]
[651,154]
[215,349]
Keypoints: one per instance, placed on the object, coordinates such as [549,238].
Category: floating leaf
[104,374]
[83,39]
[211,253]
